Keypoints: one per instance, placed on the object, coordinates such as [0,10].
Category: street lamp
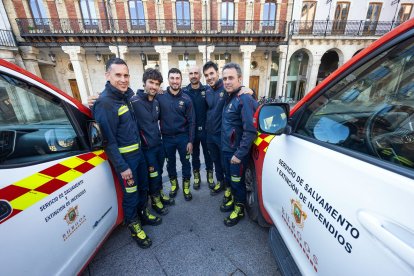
[98,56]
[52,57]
[186,56]
[142,55]
[157,67]
[226,55]
[266,55]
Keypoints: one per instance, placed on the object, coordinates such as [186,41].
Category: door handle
[394,236]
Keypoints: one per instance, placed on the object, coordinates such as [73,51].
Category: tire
[252,198]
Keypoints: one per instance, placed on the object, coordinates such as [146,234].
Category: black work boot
[166,200]
[174,187]
[148,218]
[217,189]
[186,190]
[158,206]
[235,216]
[197,179]
[210,179]
[139,235]
[228,202]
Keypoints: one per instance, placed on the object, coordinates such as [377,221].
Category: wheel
[252,198]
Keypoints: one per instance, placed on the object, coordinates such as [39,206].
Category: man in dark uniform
[197,93]
[177,129]
[237,136]
[147,111]
[114,114]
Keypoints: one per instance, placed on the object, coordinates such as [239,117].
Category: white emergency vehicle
[58,200]
[335,174]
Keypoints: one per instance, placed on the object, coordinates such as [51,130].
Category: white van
[58,200]
[335,174]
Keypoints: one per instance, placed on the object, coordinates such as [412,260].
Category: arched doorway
[329,63]
[296,79]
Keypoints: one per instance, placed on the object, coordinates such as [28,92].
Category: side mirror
[273,118]
[95,136]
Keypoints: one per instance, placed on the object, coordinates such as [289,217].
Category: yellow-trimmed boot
[235,216]
[210,179]
[186,190]
[197,179]
[166,200]
[158,206]
[174,187]
[217,189]
[228,201]
[148,218]
[139,235]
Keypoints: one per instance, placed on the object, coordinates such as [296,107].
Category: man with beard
[197,92]
[177,129]
[237,135]
[147,111]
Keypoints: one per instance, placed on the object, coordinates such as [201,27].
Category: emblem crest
[72,214]
[298,213]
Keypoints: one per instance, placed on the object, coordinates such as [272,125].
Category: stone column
[313,73]
[247,51]
[7,55]
[282,71]
[206,51]
[29,56]
[163,51]
[77,58]
[119,51]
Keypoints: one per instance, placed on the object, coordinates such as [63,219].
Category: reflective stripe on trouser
[134,197]
[129,148]
[201,139]
[213,145]
[155,163]
[172,144]
[235,176]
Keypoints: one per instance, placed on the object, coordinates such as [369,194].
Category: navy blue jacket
[198,96]
[113,113]
[215,97]
[177,114]
[238,131]
[147,114]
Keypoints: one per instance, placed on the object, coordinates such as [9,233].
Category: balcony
[7,39]
[342,27]
[182,30]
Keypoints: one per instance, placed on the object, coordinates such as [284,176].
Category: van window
[371,110]
[33,125]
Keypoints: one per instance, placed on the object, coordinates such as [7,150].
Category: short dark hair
[231,65]
[114,60]
[210,64]
[152,74]
[174,71]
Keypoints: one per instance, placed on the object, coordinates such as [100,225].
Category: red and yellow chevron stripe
[263,140]
[28,191]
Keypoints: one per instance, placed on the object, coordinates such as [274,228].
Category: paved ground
[192,240]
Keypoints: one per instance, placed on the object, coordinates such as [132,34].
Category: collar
[118,94]
[178,94]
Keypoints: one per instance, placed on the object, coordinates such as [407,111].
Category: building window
[307,16]
[88,13]
[404,13]
[136,12]
[227,15]
[373,14]
[340,18]
[269,14]
[38,13]
[182,9]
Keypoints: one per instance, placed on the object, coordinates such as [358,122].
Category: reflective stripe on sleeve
[123,109]
[129,148]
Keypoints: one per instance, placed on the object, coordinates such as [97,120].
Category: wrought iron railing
[342,27]
[7,38]
[165,27]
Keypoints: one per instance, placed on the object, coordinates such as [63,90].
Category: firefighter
[122,145]
[177,128]
[238,134]
[147,111]
[197,92]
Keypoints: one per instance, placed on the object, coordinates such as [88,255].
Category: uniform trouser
[235,176]
[155,161]
[134,197]
[214,148]
[201,138]
[171,145]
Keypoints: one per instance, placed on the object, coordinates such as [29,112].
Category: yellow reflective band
[235,178]
[123,109]
[154,174]
[129,148]
[131,189]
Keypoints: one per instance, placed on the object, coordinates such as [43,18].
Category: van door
[340,188]
[57,198]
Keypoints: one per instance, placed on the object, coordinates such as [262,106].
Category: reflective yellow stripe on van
[123,109]
[129,148]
